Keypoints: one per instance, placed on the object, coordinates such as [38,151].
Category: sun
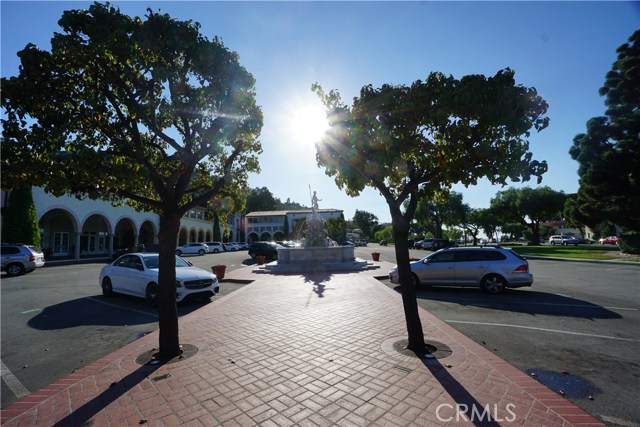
[308,123]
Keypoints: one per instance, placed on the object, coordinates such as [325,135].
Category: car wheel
[215,251]
[151,294]
[15,269]
[201,252]
[107,288]
[179,252]
[494,284]
[553,243]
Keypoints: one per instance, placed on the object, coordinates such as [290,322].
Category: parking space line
[543,330]
[155,316]
[13,382]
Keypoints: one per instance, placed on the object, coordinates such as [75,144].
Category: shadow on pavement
[119,310]
[83,415]
[466,408]
[519,301]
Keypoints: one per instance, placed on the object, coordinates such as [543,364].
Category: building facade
[281,225]
[76,230]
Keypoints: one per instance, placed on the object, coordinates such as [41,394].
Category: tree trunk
[409,297]
[167,308]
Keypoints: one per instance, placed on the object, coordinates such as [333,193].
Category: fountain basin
[329,254]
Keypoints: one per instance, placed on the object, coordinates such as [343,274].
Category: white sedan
[136,274]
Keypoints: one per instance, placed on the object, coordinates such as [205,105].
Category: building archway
[265,237]
[94,239]
[58,230]
[147,233]
[278,236]
[124,236]
[253,237]
[201,236]
[183,237]
[192,236]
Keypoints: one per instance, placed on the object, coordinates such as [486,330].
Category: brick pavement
[300,350]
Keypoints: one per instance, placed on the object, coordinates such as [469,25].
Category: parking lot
[581,318]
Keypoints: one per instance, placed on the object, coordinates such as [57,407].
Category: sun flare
[308,123]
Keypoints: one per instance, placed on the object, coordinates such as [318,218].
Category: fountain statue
[315,235]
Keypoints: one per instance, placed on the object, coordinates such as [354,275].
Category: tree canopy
[412,142]
[609,152]
[529,207]
[147,111]
[366,222]
[433,214]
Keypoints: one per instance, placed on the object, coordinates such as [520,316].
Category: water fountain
[316,252]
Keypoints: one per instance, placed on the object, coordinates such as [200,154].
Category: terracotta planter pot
[375,256]
[261,259]
[219,270]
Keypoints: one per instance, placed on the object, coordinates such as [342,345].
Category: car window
[152,261]
[128,261]
[10,250]
[447,256]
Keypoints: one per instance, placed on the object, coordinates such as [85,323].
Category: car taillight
[522,269]
[32,258]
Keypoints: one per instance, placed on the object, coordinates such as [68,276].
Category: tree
[336,229]
[472,222]
[529,207]
[146,111]
[19,218]
[366,222]
[216,228]
[260,200]
[609,152]
[434,214]
[412,142]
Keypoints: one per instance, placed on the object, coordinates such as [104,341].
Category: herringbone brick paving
[300,351]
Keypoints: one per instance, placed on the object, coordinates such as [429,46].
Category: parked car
[436,244]
[199,248]
[242,246]
[383,243]
[492,268]
[563,240]
[136,274]
[230,247]
[361,242]
[610,240]
[266,249]
[20,259]
[214,247]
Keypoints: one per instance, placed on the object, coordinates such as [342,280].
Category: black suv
[20,259]
[266,249]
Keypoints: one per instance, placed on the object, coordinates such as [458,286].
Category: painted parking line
[33,310]
[13,382]
[543,330]
[155,316]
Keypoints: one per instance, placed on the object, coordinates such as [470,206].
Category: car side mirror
[190,263]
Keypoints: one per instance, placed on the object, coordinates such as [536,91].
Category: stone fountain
[316,252]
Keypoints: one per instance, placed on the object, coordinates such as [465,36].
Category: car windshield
[153,261]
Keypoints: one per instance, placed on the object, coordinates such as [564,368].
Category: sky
[563,49]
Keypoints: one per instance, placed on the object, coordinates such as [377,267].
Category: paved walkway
[314,350]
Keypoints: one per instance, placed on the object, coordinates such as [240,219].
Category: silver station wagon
[492,269]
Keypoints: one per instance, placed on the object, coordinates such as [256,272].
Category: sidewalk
[314,350]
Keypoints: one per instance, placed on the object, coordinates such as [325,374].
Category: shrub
[630,243]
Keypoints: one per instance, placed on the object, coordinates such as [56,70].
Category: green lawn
[580,252]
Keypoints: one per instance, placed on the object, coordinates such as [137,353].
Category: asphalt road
[581,318]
